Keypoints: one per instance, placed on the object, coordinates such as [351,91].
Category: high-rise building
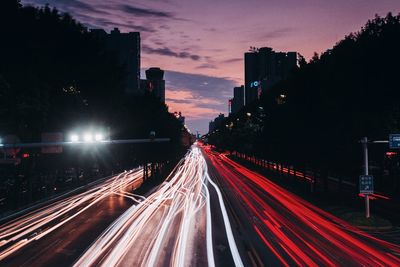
[237,102]
[263,69]
[155,83]
[126,47]
[251,77]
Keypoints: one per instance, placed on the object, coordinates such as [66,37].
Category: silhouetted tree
[54,75]
[348,92]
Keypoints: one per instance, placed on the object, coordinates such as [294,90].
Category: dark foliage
[318,115]
[55,76]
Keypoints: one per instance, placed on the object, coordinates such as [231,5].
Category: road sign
[366,184]
[394,141]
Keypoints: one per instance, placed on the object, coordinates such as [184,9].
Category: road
[210,211]
[274,227]
[183,222]
[171,227]
[58,233]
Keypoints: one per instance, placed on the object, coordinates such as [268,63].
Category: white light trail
[168,227]
[34,225]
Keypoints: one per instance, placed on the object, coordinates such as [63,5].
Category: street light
[88,137]
[99,137]
[74,138]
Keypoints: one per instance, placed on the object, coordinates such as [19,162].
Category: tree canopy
[55,75]
[320,112]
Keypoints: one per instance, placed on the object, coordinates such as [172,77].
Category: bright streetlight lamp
[99,137]
[88,137]
[74,138]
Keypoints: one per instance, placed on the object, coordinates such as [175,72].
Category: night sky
[200,44]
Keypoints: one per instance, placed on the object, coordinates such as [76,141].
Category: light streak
[169,226]
[34,225]
[297,232]
[163,229]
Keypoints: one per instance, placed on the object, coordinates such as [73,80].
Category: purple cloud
[142,12]
[165,51]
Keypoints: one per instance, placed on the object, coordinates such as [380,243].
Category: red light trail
[297,232]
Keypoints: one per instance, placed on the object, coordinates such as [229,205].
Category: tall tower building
[250,76]
[264,68]
[126,47]
[155,83]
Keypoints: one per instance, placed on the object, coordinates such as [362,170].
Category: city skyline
[199,80]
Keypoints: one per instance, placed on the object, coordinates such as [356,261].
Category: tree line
[54,76]
[318,114]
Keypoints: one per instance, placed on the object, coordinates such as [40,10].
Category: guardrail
[316,180]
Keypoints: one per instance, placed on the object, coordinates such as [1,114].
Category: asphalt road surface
[211,211]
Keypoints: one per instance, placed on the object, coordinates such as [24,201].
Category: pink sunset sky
[200,44]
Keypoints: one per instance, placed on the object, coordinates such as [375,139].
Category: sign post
[366,180]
